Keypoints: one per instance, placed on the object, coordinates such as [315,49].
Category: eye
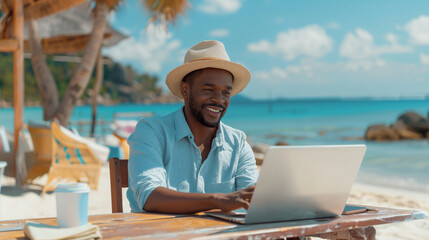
[228,93]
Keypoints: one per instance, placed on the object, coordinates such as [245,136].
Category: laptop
[301,182]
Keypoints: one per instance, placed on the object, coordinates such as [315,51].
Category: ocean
[402,164]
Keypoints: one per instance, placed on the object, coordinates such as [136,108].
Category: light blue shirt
[163,154]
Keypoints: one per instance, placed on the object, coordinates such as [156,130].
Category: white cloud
[360,49]
[289,73]
[271,75]
[219,33]
[310,41]
[424,59]
[334,25]
[125,31]
[279,20]
[153,47]
[360,45]
[392,38]
[326,79]
[364,64]
[220,6]
[418,29]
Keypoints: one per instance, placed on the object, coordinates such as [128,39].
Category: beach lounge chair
[4,142]
[122,129]
[65,157]
[42,142]
[123,126]
[123,144]
[23,157]
[5,151]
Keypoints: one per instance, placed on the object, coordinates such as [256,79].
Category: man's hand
[169,201]
[235,200]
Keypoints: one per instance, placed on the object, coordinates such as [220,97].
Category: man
[189,161]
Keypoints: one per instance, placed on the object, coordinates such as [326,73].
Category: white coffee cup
[72,204]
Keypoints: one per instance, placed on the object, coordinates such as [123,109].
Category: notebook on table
[301,182]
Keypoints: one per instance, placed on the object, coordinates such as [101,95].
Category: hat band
[205,58]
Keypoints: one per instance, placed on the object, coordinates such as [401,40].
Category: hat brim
[241,74]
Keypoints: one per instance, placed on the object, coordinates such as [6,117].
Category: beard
[199,115]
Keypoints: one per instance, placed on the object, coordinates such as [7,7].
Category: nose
[217,97]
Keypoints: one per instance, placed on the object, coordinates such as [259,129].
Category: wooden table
[164,226]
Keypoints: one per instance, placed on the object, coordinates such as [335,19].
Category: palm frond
[112,5]
[166,11]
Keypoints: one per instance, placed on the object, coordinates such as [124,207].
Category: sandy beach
[17,203]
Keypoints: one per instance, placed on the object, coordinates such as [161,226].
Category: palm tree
[164,11]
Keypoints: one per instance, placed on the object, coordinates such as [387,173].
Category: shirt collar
[183,130]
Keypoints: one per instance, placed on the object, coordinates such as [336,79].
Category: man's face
[209,96]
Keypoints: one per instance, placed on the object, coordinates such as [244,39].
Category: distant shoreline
[168,98]
[164,99]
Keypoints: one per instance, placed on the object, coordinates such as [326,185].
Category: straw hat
[208,54]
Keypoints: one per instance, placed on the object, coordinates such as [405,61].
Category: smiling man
[189,161]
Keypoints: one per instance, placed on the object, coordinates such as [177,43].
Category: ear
[184,89]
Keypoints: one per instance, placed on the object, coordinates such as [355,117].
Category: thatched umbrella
[35,9]
[65,32]
[12,40]
[69,31]
[32,9]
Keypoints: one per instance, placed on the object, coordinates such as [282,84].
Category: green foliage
[6,76]
[62,72]
[122,84]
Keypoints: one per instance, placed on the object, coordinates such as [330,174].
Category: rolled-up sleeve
[247,172]
[146,169]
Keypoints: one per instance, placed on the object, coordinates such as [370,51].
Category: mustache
[214,105]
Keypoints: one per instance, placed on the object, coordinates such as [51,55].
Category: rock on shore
[409,125]
[259,150]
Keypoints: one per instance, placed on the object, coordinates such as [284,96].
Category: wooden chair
[118,180]
[63,158]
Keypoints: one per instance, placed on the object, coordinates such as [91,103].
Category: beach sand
[17,203]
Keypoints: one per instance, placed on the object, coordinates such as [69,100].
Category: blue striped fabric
[79,156]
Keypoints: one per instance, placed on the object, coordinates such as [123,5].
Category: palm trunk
[80,78]
[95,90]
[45,80]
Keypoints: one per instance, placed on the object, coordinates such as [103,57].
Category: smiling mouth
[213,110]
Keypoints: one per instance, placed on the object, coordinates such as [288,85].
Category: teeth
[213,110]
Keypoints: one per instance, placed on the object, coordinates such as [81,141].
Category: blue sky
[294,49]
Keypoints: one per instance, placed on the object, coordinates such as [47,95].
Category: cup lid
[72,187]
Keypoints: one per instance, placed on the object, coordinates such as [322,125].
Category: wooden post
[18,71]
[8,45]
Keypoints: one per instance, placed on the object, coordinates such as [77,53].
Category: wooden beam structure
[18,71]
[8,45]
[43,8]
[35,9]
[64,44]
[72,59]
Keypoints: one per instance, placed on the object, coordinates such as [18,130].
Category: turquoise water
[402,164]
